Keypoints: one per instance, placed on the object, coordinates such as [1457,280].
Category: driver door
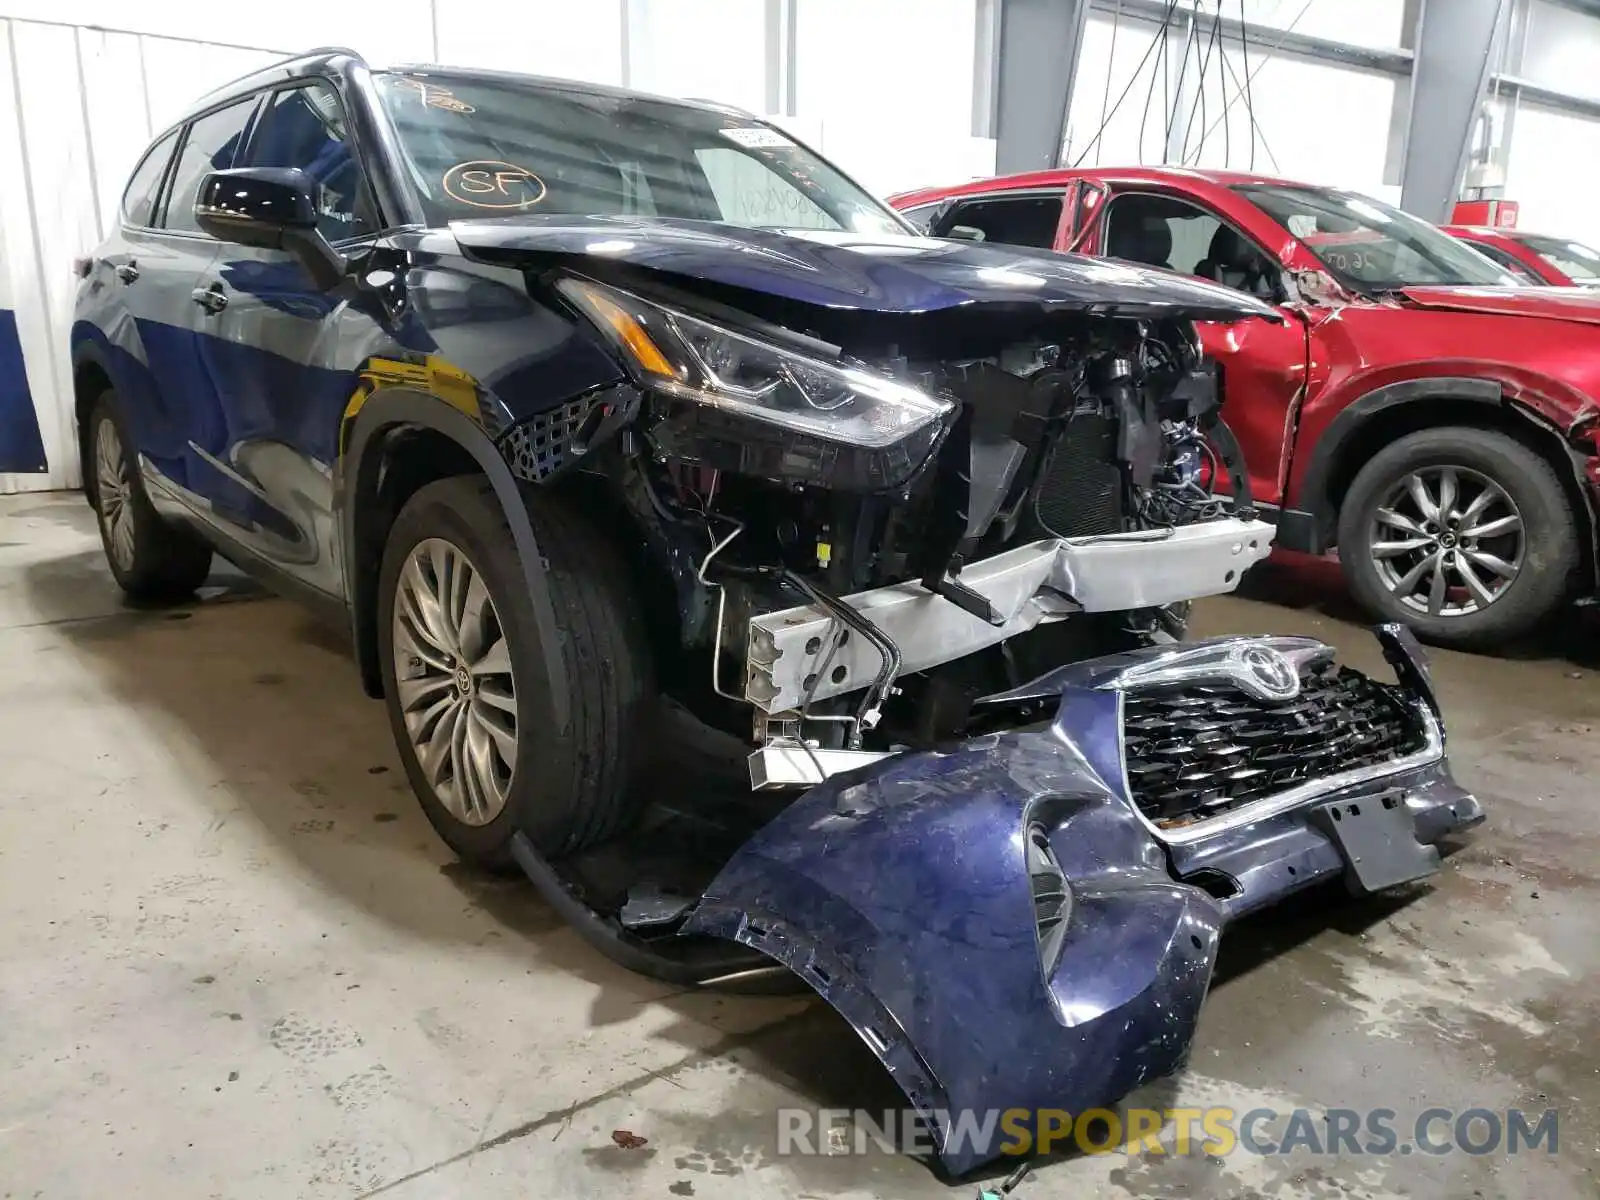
[282,356]
[1263,365]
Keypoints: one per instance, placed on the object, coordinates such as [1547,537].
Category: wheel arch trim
[381,411]
[86,352]
[1313,496]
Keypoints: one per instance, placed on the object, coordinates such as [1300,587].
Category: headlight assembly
[773,410]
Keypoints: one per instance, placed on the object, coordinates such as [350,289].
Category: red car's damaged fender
[1357,367]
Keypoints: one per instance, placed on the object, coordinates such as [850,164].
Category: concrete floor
[236,962]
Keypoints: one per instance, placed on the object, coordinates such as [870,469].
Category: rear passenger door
[157,269]
[281,355]
[1031,218]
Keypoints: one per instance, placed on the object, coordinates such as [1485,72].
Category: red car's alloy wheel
[1447,541]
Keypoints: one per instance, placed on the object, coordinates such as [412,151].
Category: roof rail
[315,52]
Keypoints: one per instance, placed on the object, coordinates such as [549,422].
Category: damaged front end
[922,521]
[1029,920]
[863,539]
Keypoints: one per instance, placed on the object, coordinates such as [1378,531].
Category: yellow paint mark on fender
[433,374]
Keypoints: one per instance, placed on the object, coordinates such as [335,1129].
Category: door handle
[128,272]
[210,298]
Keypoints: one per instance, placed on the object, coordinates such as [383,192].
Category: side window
[139,200]
[212,143]
[1502,259]
[1013,220]
[752,195]
[304,127]
[921,214]
[1161,231]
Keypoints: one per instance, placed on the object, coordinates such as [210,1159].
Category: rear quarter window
[144,185]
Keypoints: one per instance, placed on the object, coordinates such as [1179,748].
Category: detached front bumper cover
[902,893]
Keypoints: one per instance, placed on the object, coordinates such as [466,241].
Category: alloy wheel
[457,691]
[1447,541]
[113,491]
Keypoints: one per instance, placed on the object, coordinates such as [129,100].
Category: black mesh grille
[537,448]
[1203,749]
[1080,488]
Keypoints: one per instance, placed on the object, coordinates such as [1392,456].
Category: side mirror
[273,208]
[965,233]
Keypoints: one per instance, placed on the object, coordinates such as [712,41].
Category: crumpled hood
[1557,303]
[876,273]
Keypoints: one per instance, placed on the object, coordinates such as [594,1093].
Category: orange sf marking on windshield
[435,96]
[489,183]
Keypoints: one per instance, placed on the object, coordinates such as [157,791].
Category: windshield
[480,147]
[1573,259]
[1372,246]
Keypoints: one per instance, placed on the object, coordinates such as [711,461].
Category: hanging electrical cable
[1160,68]
[1249,100]
[1183,74]
[1111,58]
[1243,92]
[1200,101]
[1172,6]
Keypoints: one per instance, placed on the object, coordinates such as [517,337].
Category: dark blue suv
[607,424]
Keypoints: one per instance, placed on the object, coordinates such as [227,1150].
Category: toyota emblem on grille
[1266,674]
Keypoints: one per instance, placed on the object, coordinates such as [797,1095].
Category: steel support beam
[1449,75]
[1038,61]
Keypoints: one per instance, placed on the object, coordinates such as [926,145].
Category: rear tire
[466,685]
[1490,512]
[151,559]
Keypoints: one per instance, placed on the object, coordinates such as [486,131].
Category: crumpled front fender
[902,894]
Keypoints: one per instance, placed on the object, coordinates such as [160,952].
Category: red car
[1418,410]
[1534,257]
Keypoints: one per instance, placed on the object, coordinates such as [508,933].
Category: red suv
[1418,409]
[1535,257]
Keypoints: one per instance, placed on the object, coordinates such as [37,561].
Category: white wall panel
[1553,173]
[1562,49]
[21,288]
[706,49]
[899,64]
[179,73]
[542,37]
[45,59]
[119,123]
[891,83]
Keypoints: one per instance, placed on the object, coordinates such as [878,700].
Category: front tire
[151,559]
[466,683]
[1466,535]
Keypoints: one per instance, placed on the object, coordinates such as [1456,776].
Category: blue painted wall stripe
[21,449]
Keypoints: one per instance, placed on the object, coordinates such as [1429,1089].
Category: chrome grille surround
[1238,747]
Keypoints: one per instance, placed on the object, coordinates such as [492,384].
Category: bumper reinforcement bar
[1026,586]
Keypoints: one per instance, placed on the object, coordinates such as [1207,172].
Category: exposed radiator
[1080,485]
